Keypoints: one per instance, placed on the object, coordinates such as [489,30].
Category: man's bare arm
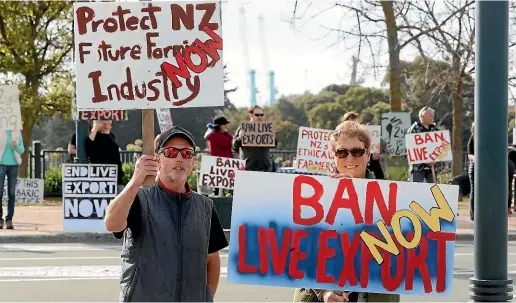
[213,272]
[118,210]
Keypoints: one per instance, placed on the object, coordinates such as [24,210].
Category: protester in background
[257,158]
[72,148]
[423,172]
[351,116]
[172,235]
[471,172]
[11,143]
[101,148]
[350,145]
[511,169]
[220,140]
[512,157]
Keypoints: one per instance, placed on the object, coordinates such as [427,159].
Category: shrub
[128,169]
[53,180]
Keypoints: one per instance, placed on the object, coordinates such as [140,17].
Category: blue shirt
[9,158]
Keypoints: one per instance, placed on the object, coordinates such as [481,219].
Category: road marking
[55,247]
[54,272]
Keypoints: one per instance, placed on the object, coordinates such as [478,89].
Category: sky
[299,55]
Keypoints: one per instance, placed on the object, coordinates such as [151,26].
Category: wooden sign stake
[148,138]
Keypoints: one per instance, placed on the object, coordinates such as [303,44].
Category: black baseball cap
[175,131]
[220,121]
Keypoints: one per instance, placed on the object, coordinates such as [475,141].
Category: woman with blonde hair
[349,143]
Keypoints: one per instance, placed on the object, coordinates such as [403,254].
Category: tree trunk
[394,56]
[457,105]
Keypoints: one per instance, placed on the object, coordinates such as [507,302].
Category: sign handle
[433,174]
[148,139]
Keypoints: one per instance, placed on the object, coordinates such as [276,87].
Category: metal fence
[47,163]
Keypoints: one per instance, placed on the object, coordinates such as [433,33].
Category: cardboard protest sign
[394,127]
[108,114]
[313,153]
[260,134]
[87,191]
[219,172]
[164,119]
[146,55]
[355,234]
[10,114]
[375,131]
[27,190]
[429,147]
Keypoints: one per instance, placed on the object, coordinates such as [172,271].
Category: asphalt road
[77,272]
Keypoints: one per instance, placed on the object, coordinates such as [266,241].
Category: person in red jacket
[219,139]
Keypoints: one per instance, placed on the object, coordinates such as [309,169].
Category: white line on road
[89,271]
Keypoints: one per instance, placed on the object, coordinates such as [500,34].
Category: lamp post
[491,282]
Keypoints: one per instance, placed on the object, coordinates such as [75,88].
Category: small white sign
[164,118]
[375,132]
[394,128]
[87,191]
[429,147]
[313,153]
[219,172]
[27,190]
[10,113]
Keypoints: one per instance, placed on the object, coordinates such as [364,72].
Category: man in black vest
[423,172]
[171,235]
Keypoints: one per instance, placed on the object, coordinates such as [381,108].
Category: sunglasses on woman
[172,152]
[356,152]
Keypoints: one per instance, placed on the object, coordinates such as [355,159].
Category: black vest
[167,261]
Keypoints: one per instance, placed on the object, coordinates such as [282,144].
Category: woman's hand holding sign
[330,296]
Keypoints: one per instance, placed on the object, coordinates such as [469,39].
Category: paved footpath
[81,272]
[45,224]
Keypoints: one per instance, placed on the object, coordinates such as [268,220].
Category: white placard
[164,118]
[87,191]
[514,136]
[375,132]
[27,190]
[162,54]
[394,127]
[219,172]
[313,153]
[10,113]
[429,147]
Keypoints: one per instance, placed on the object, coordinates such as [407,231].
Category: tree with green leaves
[35,45]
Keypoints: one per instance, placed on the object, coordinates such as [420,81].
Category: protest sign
[360,235]
[428,147]
[164,119]
[313,151]
[514,136]
[394,127]
[219,172]
[147,55]
[87,191]
[260,134]
[375,132]
[10,114]
[27,191]
[108,114]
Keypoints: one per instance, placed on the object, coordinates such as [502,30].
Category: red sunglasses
[172,152]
